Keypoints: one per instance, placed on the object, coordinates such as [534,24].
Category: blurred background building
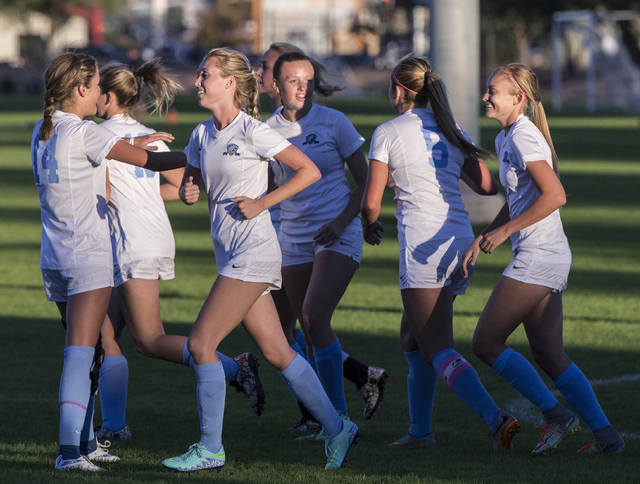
[590,47]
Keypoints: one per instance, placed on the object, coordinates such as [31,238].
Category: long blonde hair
[148,83]
[65,73]
[527,80]
[423,86]
[236,64]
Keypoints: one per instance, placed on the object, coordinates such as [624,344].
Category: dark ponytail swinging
[424,87]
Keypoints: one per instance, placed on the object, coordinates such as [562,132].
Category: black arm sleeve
[165,160]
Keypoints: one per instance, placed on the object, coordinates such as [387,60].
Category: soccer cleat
[373,391]
[553,434]
[609,448]
[303,425]
[102,433]
[247,381]
[100,454]
[81,464]
[408,439]
[338,447]
[502,436]
[317,435]
[197,458]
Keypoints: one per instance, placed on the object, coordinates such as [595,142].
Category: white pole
[591,68]
[158,19]
[455,57]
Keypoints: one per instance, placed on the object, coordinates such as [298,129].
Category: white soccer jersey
[524,143]
[139,223]
[70,176]
[234,163]
[327,137]
[424,172]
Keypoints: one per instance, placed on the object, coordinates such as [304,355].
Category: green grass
[601,174]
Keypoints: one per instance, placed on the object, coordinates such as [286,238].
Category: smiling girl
[230,154]
[530,289]
[320,231]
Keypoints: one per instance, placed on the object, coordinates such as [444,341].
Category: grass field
[601,174]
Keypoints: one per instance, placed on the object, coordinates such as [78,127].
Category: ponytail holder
[514,80]
[393,74]
[47,116]
[138,81]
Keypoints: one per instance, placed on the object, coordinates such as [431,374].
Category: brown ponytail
[64,74]
[148,83]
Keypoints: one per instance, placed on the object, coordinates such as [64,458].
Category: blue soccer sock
[302,343]
[229,364]
[311,359]
[296,347]
[87,440]
[210,393]
[522,376]
[305,383]
[73,397]
[330,372]
[421,389]
[464,382]
[114,378]
[577,390]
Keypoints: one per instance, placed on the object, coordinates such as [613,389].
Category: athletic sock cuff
[113,361]
[210,372]
[294,369]
[502,360]
[328,351]
[566,376]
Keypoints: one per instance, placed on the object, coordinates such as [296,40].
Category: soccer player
[422,154]
[230,154]
[369,380]
[530,288]
[144,251]
[320,232]
[77,267]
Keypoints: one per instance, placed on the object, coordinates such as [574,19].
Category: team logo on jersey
[312,139]
[232,150]
[505,158]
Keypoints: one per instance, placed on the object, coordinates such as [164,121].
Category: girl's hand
[372,233]
[248,207]
[189,193]
[329,233]
[144,141]
[493,239]
[470,256]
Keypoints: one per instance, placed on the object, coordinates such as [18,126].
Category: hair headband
[393,74]
[514,80]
